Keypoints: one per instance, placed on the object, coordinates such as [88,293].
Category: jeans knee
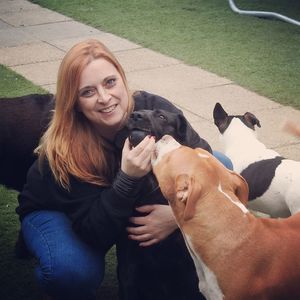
[68,268]
[70,281]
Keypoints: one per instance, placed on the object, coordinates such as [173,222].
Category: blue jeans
[67,267]
[225,160]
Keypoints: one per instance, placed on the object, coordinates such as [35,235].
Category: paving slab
[144,59]
[59,30]
[168,80]
[289,151]
[28,54]
[43,73]
[4,25]
[272,121]
[7,6]
[233,98]
[11,37]
[114,43]
[51,88]
[27,18]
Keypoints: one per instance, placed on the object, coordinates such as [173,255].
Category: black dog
[164,270]
[144,273]
[22,123]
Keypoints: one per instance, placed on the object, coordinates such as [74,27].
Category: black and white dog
[273,180]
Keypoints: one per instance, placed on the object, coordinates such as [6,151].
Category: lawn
[259,54]
[16,275]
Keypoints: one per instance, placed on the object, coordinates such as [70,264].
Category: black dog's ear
[181,126]
[251,120]
[220,117]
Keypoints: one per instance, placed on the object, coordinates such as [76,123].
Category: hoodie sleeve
[98,214]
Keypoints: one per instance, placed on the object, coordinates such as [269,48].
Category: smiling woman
[86,192]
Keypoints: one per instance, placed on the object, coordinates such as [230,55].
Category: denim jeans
[67,267]
[225,160]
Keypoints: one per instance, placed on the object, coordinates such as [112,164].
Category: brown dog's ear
[241,188]
[188,193]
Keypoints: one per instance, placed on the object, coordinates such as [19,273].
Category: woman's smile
[108,109]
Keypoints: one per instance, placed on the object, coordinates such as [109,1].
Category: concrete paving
[33,40]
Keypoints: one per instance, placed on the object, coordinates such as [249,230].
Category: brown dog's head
[188,177]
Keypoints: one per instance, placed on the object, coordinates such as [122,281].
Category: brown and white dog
[237,256]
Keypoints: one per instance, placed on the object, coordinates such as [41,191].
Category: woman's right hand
[136,161]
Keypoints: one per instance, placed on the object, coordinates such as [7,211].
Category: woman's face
[102,96]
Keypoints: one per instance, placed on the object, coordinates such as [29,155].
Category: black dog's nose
[136,116]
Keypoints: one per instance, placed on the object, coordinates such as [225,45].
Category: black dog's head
[156,123]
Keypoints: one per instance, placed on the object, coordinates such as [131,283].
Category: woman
[81,191]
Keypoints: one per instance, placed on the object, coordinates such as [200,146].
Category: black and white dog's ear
[220,117]
[251,120]
[219,113]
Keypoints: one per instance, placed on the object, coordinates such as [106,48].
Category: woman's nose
[103,95]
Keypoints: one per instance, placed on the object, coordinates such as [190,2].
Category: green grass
[13,84]
[259,54]
[16,275]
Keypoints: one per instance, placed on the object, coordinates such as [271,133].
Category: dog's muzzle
[138,127]
[137,135]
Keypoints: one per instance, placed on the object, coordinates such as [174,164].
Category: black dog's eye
[162,117]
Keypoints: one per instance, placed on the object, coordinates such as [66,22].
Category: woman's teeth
[108,109]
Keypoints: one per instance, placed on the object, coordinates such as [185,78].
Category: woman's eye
[110,82]
[87,93]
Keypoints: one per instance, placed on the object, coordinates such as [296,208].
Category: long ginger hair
[71,144]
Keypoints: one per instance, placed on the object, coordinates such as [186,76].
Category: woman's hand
[154,227]
[136,162]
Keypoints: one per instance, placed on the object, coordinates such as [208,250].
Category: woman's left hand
[154,227]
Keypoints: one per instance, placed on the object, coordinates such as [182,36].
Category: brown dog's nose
[167,138]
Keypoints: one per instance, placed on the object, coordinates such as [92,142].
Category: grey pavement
[33,40]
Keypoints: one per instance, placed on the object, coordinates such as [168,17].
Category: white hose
[263,14]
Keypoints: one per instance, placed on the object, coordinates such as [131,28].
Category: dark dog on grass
[143,272]
[23,121]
